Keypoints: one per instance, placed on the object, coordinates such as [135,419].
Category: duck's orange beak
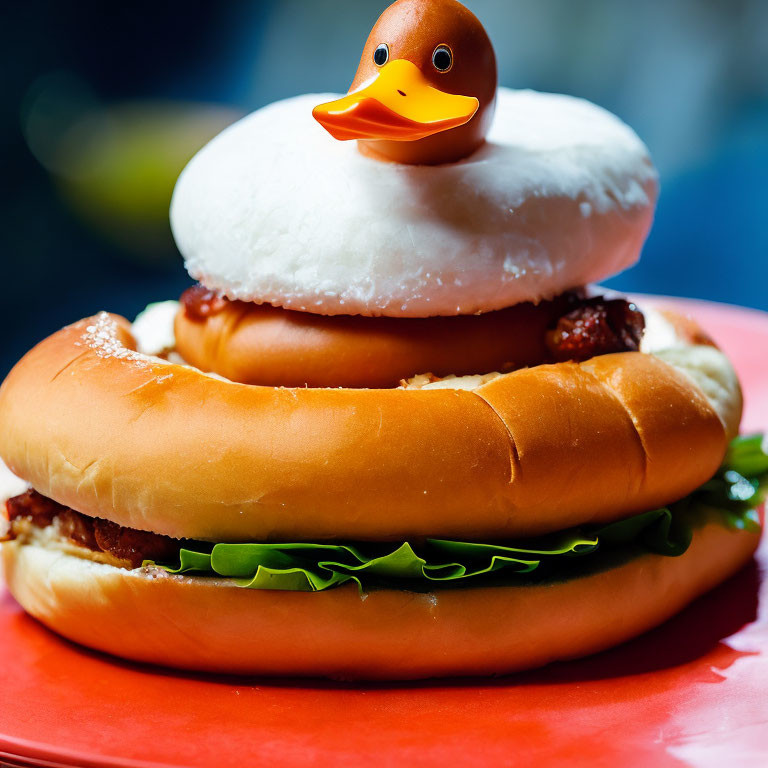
[399,104]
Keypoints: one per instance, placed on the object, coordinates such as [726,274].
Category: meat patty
[93,533]
[596,326]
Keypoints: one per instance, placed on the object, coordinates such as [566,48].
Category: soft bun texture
[212,625]
[711,371]
[274,210]
[157,446]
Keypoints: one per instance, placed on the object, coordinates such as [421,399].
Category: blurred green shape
[115,166]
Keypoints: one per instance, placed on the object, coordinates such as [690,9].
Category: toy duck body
[456,197]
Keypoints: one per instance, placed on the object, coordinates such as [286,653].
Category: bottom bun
[213,625]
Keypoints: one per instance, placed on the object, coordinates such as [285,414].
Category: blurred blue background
[104,103]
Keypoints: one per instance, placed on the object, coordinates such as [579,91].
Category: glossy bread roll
[156,446]
[452,249]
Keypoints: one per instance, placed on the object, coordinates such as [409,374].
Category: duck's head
[425,89]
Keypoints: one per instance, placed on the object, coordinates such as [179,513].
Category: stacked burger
[392,432]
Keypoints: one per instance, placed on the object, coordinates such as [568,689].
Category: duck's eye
[381,55]
[442,58]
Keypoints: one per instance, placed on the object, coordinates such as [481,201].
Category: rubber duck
[425,90]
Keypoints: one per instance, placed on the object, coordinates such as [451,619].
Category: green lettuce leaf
[732,496]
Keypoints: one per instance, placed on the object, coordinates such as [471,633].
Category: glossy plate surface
[693,692]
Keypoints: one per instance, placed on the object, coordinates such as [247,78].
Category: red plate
[693,692]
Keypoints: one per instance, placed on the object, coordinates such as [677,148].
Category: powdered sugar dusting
[102,338]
